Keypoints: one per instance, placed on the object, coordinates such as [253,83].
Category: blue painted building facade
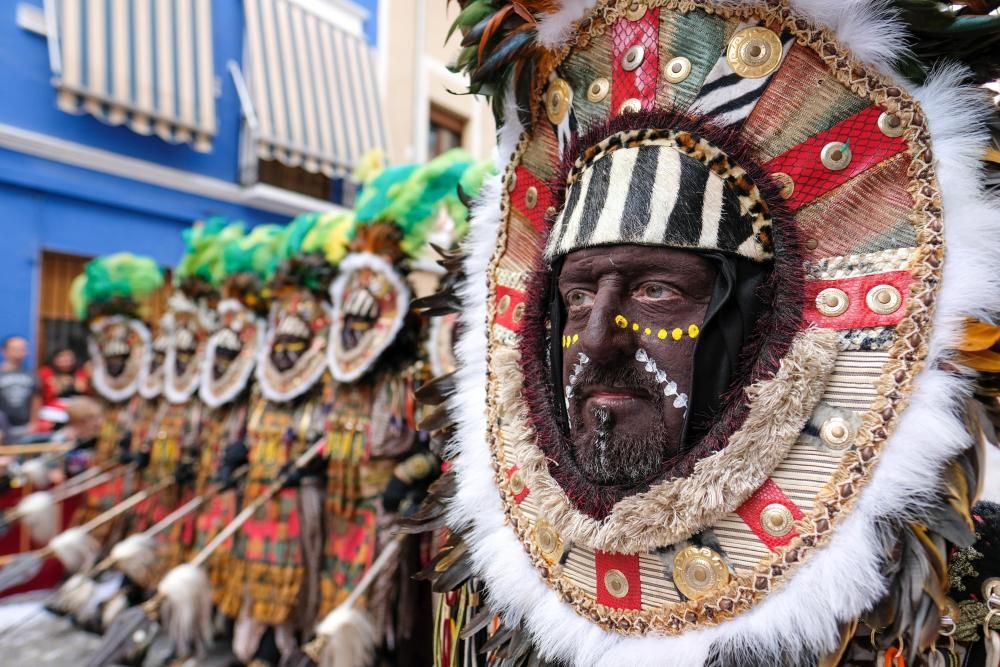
[73,184]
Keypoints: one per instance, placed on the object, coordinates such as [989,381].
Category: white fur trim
[206,391]
[100,378]
[350,264]
[843,578]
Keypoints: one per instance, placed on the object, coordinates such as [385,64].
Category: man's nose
[607,333]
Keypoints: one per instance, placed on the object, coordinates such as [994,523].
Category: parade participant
[709,407]
[273,586]
[379,465]
[249,263]
[106,297]
[169,447]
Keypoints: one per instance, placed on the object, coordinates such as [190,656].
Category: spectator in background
[19,394]
[62,377]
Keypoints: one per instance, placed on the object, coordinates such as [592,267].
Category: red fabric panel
[628,565]
[506,318]
[868,147]
[518,498]
[536,215]
[768,494]
[640,83]
[857,315]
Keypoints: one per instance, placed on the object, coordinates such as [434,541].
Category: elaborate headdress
[401,210]
[293,357]
[773,138]
[107,296]
[248,265]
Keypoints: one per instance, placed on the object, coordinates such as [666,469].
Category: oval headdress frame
[521,233]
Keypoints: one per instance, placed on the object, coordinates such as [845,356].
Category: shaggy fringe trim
[674,510]
[843,579]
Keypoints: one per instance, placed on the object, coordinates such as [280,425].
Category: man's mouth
[614,395]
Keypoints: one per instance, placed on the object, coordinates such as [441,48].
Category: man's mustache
[623,374]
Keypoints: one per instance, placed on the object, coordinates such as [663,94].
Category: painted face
[293,357]
[152,380]
[119,348]
[370,301]
[633,315]
[185,353]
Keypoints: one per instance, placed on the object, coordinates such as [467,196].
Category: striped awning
[313,88]
[147,63]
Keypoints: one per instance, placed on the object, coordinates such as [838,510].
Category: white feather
[843,579]
[555,29]
[350,638]
[40,514]
[135,557]
[74,594]
[187,609]
[37,471]
[75,549]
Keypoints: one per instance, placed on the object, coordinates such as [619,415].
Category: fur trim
[206,390]
[844,578]
[675,509]
[187,609]
[76,549]
[99,378]
[352,263]
[40,514]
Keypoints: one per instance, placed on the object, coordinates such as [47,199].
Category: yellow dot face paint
[635,327]
[662,334]
[647,331]
[621,321]
[576,337]
[693,331]
[677,334]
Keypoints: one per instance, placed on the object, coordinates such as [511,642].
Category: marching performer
[710,408]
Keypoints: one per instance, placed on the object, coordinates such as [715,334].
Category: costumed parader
[248,265]
[170,447]
[107,296]
[710,407]
[274,562]
[379,463]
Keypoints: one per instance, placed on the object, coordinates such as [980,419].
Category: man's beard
[610,456]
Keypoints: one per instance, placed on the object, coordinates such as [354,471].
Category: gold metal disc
[699,571]
[677,69]
[558,97]
[598,89]
[754,52]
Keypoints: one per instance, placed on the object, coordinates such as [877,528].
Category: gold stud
[631,105]
[836,155]
[616,583]
[598,89]
[698,571]
[890,124]
[812,244]
[558,98]
[635,11]
[883,299]
[786,183]
[548,541]
[677,69]
[633,57]
[832,302]
[504,304]
[754,52]
[518,313]
[531,197]
[776,520]
[516,483]
[836,433]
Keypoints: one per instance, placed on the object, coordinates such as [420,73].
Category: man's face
[633,314]
[16,350]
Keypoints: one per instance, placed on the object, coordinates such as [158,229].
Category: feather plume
[349,638]
[72,596]
[135,557]
[37,471]
[187,608]
[75,549]
[40,514]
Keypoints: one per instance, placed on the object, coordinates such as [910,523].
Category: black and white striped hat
[661,187]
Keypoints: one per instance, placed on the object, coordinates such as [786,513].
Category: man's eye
[578,299]
[654,291]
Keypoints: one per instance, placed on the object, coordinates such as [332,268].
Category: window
[446,130]
[57,323]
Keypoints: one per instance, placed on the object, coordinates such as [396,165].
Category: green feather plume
[204,247]
[255,253]
[114,284]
